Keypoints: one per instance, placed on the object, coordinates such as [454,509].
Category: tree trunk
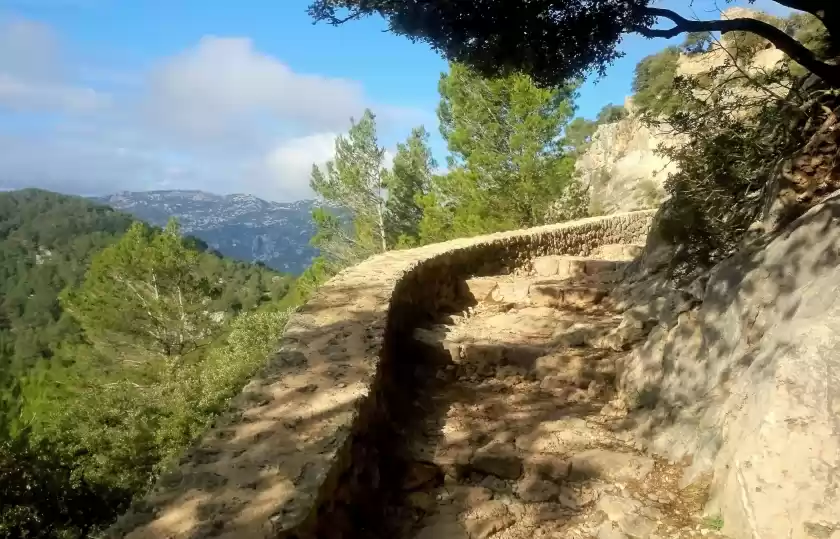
[380,202]
[381,226]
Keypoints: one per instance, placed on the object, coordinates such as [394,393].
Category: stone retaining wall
[298,455]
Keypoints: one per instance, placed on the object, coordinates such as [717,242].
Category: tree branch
[795,50]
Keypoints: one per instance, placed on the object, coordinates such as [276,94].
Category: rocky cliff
[740,378]
[622,167]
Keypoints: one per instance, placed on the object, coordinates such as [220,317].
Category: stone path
[516,435]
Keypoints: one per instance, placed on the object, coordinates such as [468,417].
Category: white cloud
[220,116]
[285,171]
[28,48]
[74,166]
[32,71]
[223,83]
[288,165]
[19,94]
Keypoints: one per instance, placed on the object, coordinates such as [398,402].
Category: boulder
[546,266]
[480,288]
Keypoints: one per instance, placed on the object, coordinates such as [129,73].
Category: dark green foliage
[508,162]
[45,496]
[737,126]
[379,207]
[714,196]
[356,181]
[85,421]
[46,242]
[653,83]
[551,40]
[147,291]
[409,179]
[735,140]
[557,40]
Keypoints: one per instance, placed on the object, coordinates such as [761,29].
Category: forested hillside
[118,343]
[47,241]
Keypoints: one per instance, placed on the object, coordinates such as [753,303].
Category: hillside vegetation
[118,343]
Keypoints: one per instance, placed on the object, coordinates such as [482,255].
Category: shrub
[737,142]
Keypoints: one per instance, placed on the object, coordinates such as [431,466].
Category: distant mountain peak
[238,225]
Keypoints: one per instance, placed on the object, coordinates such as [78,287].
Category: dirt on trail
[515,431]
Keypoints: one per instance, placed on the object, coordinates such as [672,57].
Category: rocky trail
[515,431]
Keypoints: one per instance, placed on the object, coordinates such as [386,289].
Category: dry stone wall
[297,456]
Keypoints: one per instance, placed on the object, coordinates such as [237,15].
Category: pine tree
[507,164]
[409,180]
[355,181]
[145,292]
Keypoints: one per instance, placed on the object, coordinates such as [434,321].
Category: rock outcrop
[622,167]
[747,386]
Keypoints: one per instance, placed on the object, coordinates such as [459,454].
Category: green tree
[355,181]
[507,162]
[611,113]
[146,292]
[557,40]
[409,180]
[580,131]
[697,42]
[653,82]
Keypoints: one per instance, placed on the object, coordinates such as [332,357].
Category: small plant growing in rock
[714,522]
[645,398]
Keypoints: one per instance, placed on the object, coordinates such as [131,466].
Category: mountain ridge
[239,225]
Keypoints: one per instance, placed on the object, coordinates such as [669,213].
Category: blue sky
[98,96]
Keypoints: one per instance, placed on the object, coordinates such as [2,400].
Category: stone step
[618,251]
[574,267]
[562,294]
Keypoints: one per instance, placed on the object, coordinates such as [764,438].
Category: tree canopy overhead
[555,40]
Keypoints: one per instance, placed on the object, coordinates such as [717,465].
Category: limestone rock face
[748,384]
[622,168]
